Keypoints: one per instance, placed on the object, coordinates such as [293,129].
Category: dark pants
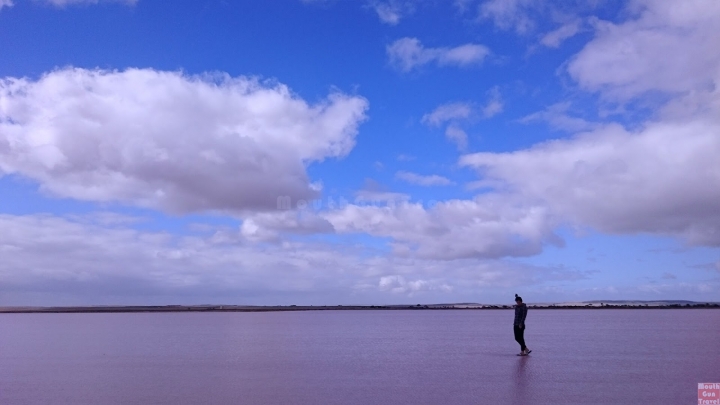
[519,336]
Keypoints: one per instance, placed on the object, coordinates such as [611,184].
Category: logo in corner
[709,393]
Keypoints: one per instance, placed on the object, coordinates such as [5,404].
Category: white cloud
[459,111]
[452,113]
[447,112]
[455,113]
[92,263]
[269,226]
[392,11]
[671,46]
[408,53]
[509,14]
[399,285]
[387,13]
[423,180]
[557,117]
[554,38]
[169,141]
[5,3]
[662,179]
[487,227]
[494,105]
[64,3]
[49,260]
[457,135]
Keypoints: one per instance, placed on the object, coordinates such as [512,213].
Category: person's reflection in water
[520,382]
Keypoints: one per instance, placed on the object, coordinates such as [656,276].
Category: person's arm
[523,315]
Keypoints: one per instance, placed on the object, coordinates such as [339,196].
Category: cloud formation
[94,262]
[558,117]
[399,285]
[554,38]
[509,14]
[452,113]
[670,47]
[456,113]
[169,141]
[101,259]
[407,54]
[494,104]
[448,112]
[391,11]
[487,227]
[457,135]
[423,180]
[663,179]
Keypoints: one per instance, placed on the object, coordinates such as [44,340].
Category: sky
[326,152]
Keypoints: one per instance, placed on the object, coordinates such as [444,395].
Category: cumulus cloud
[558,117]
[457,135]
[391,11]
[670,47]
[453,113]
[487,227]
[456,113]
[408,53]
[491,226]
[509,14]
[387,13]
[270,226]
[423,180]
[460,111]
[92,263]
[554,38]
[399,285]
[662,179]
[169,141]
[447,112]
[494,104]
[50,260]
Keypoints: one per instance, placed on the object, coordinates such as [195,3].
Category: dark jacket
[520,314]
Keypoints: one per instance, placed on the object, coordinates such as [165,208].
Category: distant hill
[669,302]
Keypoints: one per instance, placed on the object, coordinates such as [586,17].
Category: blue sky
[430,151]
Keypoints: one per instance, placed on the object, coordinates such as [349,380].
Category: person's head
[518,299]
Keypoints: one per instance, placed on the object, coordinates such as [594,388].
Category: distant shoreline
[286,308]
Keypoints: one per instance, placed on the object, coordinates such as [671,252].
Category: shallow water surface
[611,356]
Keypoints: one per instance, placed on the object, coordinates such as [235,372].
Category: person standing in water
[519,325]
